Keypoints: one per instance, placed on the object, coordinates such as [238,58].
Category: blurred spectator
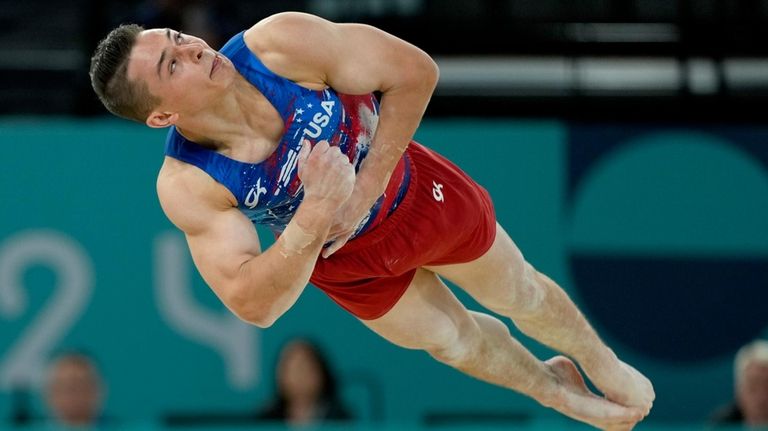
[751,388]
[305,387]
[74,391]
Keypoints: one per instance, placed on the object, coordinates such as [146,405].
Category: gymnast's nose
[193,51]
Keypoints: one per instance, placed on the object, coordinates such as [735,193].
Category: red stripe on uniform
[398,175]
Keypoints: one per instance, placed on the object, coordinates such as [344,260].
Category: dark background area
[676,60]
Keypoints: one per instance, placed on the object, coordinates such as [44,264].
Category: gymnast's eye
[173,66]
[178,37]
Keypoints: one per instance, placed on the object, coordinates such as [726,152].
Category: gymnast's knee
[456,346]
[527,292]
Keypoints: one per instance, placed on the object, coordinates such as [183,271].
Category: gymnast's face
[182,70]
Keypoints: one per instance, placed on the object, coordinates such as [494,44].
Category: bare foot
[623,384]
[577,402]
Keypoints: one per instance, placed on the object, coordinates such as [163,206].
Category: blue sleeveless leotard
[269,192]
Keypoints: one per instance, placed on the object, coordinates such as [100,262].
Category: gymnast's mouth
[215,64]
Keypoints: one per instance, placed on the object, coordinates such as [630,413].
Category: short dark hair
[109,69]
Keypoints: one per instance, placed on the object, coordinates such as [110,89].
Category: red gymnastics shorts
[444,218]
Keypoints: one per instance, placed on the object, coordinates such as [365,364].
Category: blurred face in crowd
[74,391]
[753,393]
[299,373]
[182,70]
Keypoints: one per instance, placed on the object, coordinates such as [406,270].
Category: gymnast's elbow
[262,322]
[256,316]
[251,308]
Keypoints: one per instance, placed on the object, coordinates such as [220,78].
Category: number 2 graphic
[25,360]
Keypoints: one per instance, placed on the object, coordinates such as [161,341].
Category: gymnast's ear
[158,120]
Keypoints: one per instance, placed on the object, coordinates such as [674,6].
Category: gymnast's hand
[326,174]
[348,218]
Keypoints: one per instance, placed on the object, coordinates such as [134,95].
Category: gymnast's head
[157,76]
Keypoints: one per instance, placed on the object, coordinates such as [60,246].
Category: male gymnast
[281,128]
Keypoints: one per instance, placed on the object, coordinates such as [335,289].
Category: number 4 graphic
[234,340]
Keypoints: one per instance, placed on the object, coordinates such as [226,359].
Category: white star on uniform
[299,111]
[309,105]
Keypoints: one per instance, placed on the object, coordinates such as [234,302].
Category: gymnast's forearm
[269,284]
[402,108]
